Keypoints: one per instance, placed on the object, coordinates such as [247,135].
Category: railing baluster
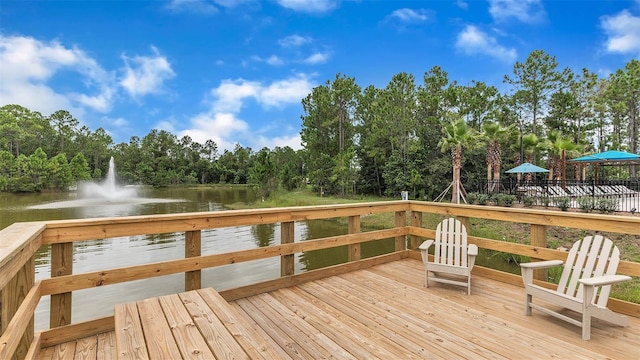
[287,237]
[354,228]
[192,248]
[401,221]
[416,221]
[61,264]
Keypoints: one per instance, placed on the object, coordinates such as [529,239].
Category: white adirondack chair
[452,255]
[584,285]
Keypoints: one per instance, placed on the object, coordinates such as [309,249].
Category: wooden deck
[382,312]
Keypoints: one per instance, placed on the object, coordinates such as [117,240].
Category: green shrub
[507,200]
[586,203]
[606,205]
[546,201]
[472,198]
[482,199]
[528,201]
[563,203]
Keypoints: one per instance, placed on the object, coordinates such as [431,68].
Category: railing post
[354,228]
[61,264]
[416,221]
[11,296]
[192,248]
[466,222]
[287,237]
[539,239]
[401,221]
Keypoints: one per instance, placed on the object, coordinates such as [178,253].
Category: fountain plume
[108,189]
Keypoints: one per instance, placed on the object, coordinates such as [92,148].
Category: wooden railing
[20,293]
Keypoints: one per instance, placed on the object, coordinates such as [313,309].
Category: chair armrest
[604,280]
[542,264]
[472,250]
[426,245]
[423,250]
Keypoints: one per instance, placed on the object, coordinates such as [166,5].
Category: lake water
[126,251]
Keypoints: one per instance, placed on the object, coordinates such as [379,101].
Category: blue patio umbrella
[611,155]
[526,168]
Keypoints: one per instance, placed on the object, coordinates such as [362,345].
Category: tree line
[403,137]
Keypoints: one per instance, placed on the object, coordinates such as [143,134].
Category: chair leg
[426,278]
[586,326]
[527,307]
[469,284]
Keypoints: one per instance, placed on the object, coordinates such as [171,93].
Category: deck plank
[107,346]
[65,351]
[293,349]
[345,334]
[185,332]
[299,325]
[87,348]
[157,334]
[221,342]
[130,339]
[374,320]
[256,344]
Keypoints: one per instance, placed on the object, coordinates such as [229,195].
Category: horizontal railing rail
[20,293]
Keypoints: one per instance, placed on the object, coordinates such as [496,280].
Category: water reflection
[264,234]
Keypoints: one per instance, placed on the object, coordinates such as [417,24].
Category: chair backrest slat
[590,257]
[451,243]
[611,269]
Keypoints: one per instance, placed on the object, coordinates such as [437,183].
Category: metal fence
[624,193]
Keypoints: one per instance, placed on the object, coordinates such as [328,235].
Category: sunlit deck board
[385,312]
[98,347]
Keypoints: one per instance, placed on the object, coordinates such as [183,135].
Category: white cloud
[101,102]
[286,91]
[623,31]
[221,122]
[406,15]
[473,41]
[29,64]
[526,11]
[309,6]
[231,3]
[191,6]
[274,60]
[230,94]
[293,141]
[294,41]
[317,58]
[219,127]
[145,74]
[462,4]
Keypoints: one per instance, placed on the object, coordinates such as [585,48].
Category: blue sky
[235,71]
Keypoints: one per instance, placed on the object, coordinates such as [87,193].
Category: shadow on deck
[385,312]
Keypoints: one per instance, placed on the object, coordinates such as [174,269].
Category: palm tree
[457,135]
[559,147]
[531,145]
[494,135]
